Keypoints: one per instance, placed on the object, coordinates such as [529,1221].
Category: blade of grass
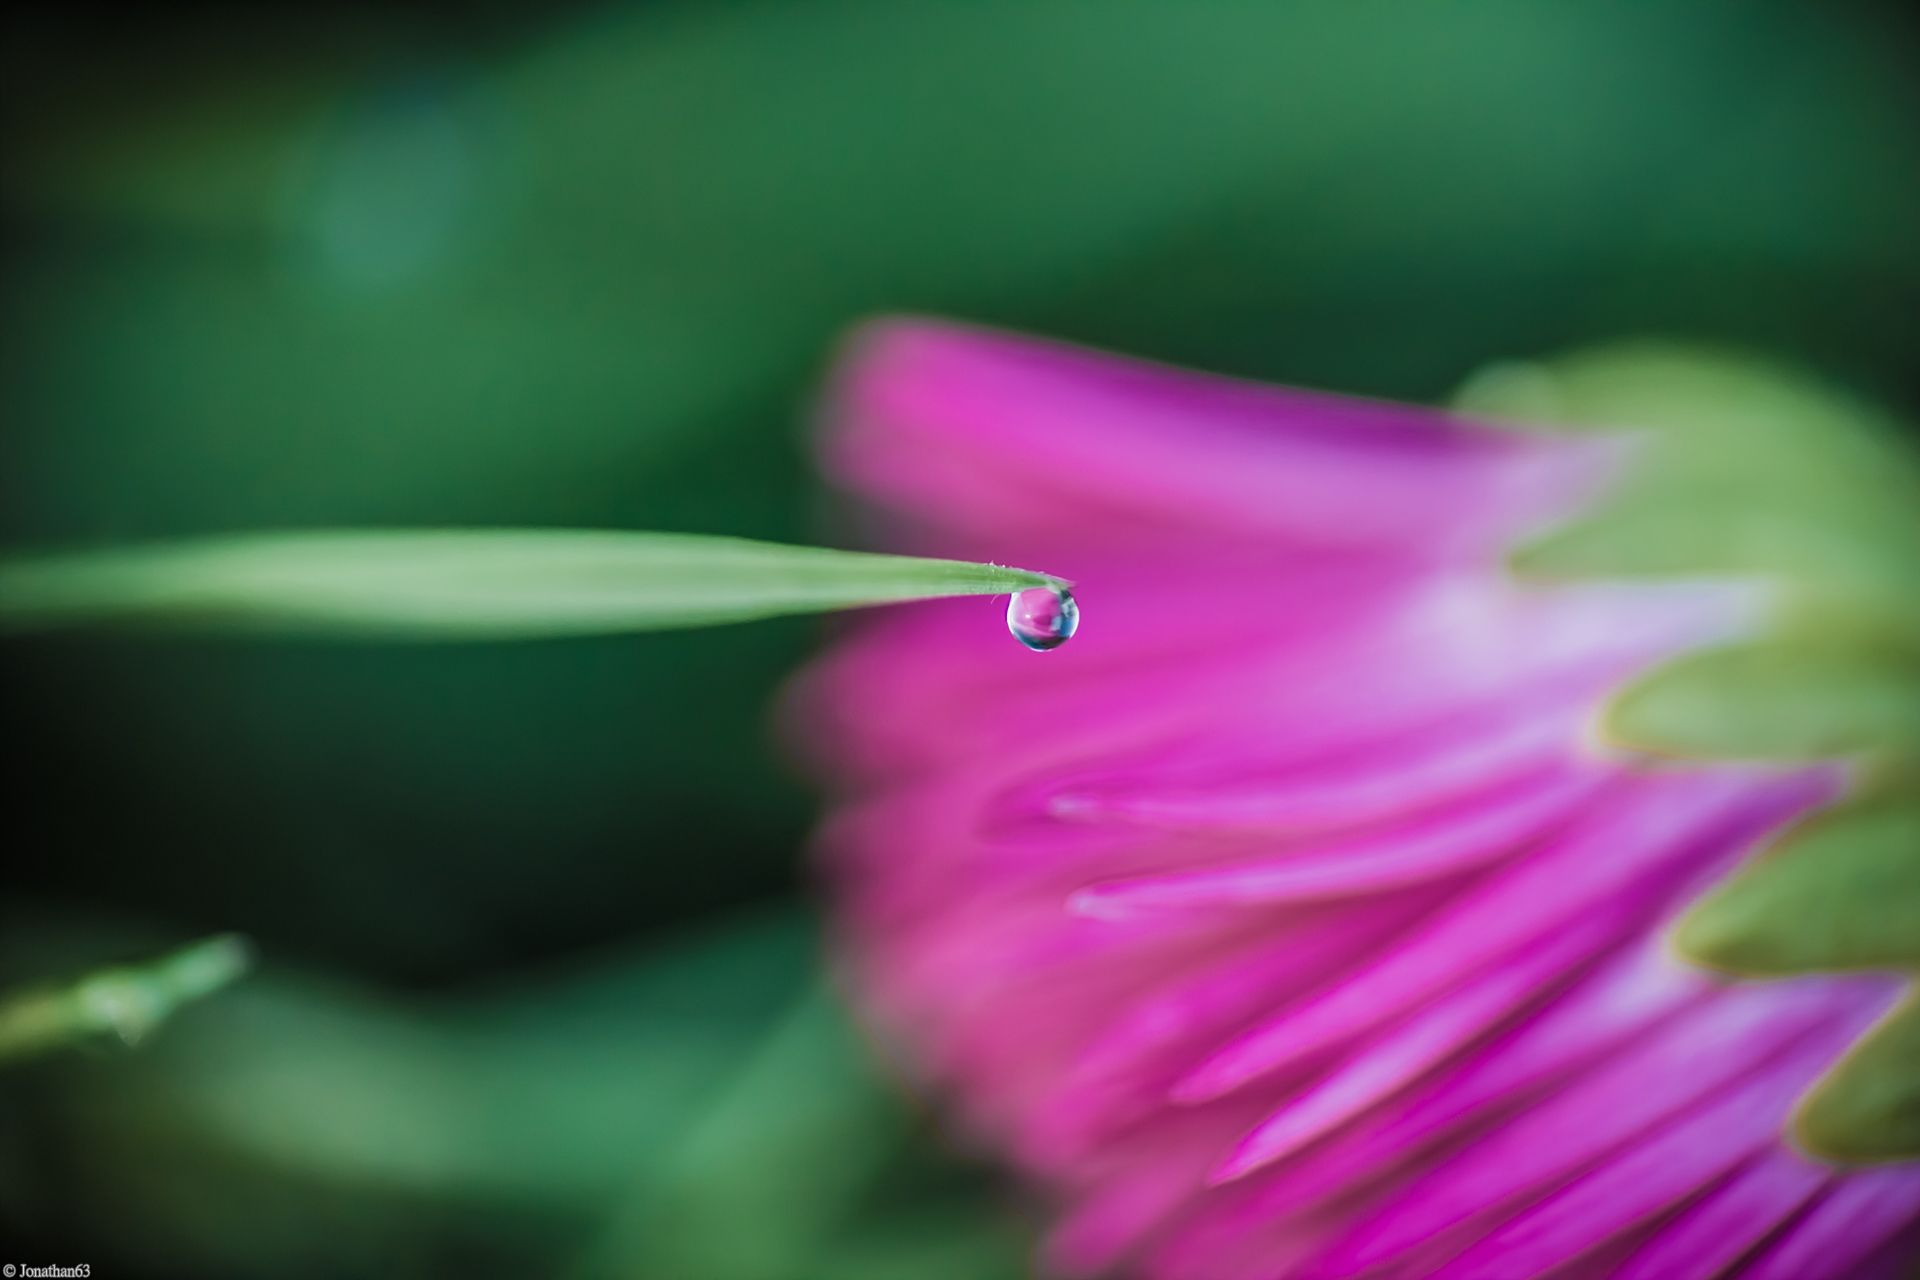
[453,584]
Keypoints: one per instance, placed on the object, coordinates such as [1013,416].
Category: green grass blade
[469,583]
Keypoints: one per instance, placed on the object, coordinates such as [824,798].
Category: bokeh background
[540,989]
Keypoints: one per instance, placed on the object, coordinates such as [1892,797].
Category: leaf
[127,1002]
[1868,1108]
[449,584]
[1743,468]
[1841,891]
[1774,700]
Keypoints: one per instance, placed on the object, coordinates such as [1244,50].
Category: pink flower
[1291,921]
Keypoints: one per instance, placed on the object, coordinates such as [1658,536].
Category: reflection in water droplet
[1043,618]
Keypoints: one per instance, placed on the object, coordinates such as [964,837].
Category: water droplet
[1043,618]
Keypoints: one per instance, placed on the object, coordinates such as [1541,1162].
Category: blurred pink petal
[1289,922]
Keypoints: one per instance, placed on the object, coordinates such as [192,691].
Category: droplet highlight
[1043,618]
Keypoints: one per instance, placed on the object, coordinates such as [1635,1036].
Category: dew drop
[1043,618]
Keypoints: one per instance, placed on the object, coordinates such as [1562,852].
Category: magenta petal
[1469,752]
[1660,822]
[1651,1082]
[1627,998]
[1729,1221]
[967,425]
[1422,849]
[1391,1061]
[1664,1170]
[1844,1228]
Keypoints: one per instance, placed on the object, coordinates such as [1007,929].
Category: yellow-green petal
[1868,1107]
[1841,891]
[1774,699]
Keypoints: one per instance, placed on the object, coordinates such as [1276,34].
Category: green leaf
[1841,891]
[450,584]
[127,1002]
[1775,699]
[1867,1109]
[1742,468]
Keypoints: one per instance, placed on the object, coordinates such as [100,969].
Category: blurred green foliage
[128,1002]
[694,1107]
[583,267]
